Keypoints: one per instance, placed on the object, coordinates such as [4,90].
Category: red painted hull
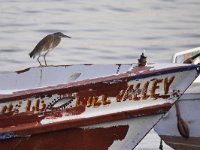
[68,139]
[29,124]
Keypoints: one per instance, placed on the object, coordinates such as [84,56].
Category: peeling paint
[94,94]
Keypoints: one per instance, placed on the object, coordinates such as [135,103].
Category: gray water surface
[106,31]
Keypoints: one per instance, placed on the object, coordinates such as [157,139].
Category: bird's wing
[55,42]
[43,45]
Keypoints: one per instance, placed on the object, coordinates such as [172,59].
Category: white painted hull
[137,130]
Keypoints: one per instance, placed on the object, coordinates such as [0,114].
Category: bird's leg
[45,59]
[39,60]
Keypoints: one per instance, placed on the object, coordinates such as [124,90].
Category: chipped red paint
[34,127]
[10,119]
[69,139]
[180,143]
[68,112]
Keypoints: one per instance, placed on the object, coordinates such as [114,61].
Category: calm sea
[104,31]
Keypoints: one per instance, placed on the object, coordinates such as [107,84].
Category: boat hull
[118,135]
[105,98]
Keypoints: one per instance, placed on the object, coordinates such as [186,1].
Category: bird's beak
[67,36]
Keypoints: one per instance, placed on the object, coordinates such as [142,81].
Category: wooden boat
[167,128]
[187,107]
[87,106]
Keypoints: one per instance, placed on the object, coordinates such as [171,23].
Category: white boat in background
[191,56]
[182,56]
[180,127]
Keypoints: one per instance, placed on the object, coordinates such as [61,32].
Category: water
[106,31]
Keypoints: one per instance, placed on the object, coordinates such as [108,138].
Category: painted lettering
[119,96]
[149,89]
[167,83]
[155,86]
[95,102]
[10,108]
[3,110]
[105,100]
[89,102]
[36,107]
[28,106]
[127,92]
[136,92]
[144,91]
[78,101]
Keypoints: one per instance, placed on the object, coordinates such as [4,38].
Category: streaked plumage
[46,44]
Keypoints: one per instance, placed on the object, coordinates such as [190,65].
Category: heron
[44,46]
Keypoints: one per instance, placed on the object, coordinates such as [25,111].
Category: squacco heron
[46,44]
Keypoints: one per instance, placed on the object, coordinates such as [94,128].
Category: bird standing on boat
[46,44]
